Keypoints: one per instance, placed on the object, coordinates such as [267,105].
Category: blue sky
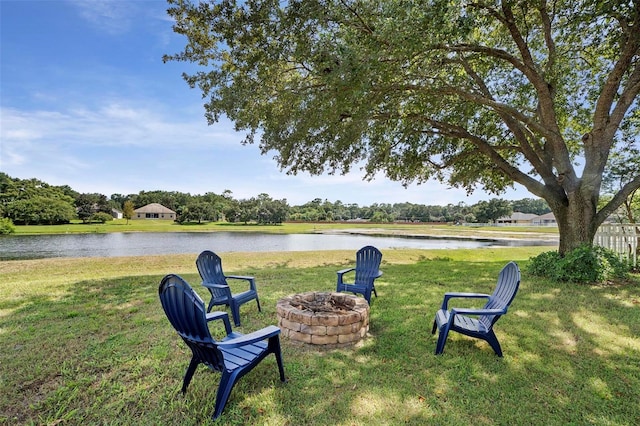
[86,101]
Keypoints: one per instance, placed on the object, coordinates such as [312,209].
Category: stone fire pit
[326,319]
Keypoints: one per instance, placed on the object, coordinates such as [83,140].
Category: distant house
[117,214]
[154,211]
[517,217]
[545,219]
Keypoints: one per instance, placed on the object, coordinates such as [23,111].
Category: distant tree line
[31,201]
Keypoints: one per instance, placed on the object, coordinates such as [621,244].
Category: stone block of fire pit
[325,319]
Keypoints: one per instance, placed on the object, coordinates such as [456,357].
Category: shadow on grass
[102,350]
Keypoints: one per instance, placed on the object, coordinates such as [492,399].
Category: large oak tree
[479,93]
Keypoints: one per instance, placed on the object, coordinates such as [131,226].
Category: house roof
[154,208]
[519,216]
[547,216]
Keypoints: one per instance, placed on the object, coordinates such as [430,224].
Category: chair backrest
[504,293]
[209,266]
[368,260]
[186,313]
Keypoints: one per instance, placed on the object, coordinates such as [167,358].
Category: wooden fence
[621,238]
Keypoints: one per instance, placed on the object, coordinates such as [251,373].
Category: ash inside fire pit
[322,302]
[327,319]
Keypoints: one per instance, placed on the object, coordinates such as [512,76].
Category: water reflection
[146,243]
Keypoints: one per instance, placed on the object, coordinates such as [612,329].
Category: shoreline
[526,237]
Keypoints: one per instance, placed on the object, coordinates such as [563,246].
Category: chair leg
[227,382]
[258,302]
[274,346]
[189,374]
[235,312]
[493,341]
[434,328]
[442,339]
[442,336]
[367,296]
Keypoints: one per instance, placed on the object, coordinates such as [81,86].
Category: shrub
[101,217]
[585,264]
[544,264]
[6,226]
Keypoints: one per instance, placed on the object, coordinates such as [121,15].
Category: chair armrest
[250,338]
[240,277]
[252,280]
[341,275]
[378,275]
[448,296]
[218,288]
[217,315]
[344,271]
[465,311]
[212,285]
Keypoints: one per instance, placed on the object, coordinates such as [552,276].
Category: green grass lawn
[85,341]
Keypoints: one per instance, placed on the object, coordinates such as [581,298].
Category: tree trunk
[577,223]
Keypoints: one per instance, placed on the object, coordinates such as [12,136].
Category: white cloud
[114,124]
[110,16]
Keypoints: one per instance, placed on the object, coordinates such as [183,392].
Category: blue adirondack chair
[233,356]
[213,278]
[481,324]
[368,260]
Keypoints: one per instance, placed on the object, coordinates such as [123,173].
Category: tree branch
[629,50]
[491,52]
[522,134]
[626,99]
[501,107]
[545,97]
[617,200]
[355,13]
[487,149]
[548,38]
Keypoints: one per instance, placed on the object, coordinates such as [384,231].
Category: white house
[517,217]
[154,211]
[545,219]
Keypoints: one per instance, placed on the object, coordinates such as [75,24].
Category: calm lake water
[146,243]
